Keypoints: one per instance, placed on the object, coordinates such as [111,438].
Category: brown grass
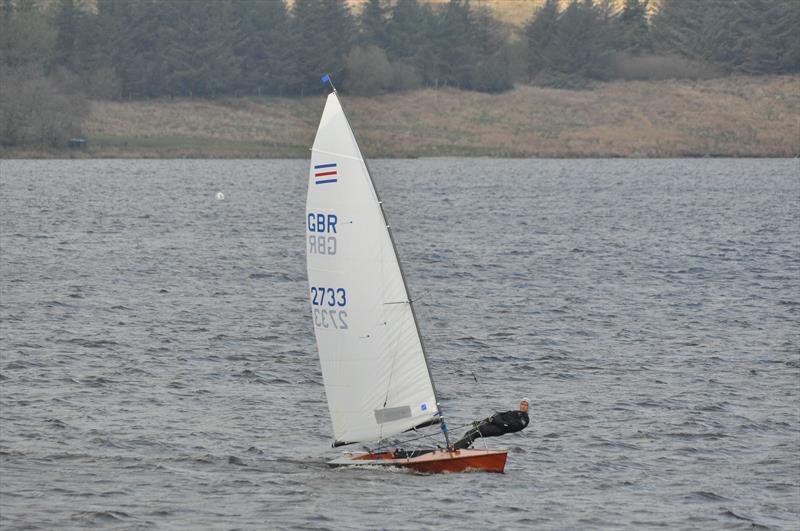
[736,116]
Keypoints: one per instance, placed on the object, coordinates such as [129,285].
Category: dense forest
[56,54]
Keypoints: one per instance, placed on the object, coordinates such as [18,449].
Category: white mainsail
[376,375]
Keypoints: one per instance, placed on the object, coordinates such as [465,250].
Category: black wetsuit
[497,424]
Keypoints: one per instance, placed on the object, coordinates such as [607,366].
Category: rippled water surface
[158,366]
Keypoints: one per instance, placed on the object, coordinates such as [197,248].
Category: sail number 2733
[328,307]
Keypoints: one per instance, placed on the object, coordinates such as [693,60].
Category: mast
[402,271]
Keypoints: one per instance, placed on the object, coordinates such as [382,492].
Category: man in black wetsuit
[497,424]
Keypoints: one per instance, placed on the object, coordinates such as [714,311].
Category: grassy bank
[735,116]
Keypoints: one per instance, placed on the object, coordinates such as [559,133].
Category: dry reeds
[736,116]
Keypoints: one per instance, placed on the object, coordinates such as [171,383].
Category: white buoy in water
[220,196]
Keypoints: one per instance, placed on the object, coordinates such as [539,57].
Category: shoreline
[737,116]
[61,156]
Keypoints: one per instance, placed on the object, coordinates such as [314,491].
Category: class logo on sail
[325,173]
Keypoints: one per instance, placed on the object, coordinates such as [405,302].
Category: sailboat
[376,372]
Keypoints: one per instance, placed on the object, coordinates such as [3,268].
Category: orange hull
[434,462]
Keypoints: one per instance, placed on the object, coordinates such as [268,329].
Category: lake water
[159,370]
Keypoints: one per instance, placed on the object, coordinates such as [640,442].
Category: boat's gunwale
[436,461]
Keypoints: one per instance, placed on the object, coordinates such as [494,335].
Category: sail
[376,376]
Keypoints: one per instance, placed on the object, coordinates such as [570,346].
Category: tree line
[681,38]
[210,48]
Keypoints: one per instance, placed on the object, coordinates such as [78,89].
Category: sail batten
[377,381]
[337,154]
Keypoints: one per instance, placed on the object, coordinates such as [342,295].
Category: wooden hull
[434,462]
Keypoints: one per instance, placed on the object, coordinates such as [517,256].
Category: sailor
[497,424]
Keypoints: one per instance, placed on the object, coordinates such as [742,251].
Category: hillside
[736,116]
[515,13]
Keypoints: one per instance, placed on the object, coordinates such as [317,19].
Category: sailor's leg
[469,437]
[491,430]
[466,440]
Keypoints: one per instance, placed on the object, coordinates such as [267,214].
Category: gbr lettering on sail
[321,233]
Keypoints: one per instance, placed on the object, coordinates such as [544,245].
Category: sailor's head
[523,405]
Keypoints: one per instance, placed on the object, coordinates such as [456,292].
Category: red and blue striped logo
[325,173]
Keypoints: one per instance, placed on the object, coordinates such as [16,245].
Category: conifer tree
[111,31]
[7,9]
[568,48]
[785,18]
[491,70]
[752,36]
[137,51]
[262,44]
[408,33]
[27,38]
[454,44]
[94,62]
[26,6]
[68,20]
[372,24]
[633,29]
[197,58]
[540,32]
[323,30]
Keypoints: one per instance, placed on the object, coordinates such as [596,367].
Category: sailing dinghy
[377,377]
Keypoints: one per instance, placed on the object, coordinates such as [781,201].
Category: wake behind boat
[377,377]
